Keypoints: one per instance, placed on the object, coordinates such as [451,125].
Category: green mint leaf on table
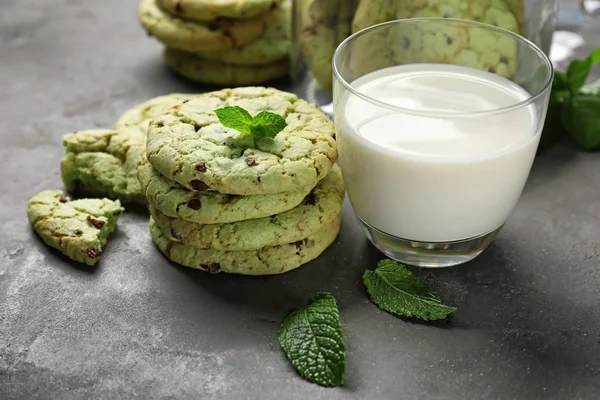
[395,289]
[581,117]
[264,124]
[568,114]
[313,341]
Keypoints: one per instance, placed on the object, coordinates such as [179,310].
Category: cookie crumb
[250,161]
[194,204]
[200,166]
[491,69]
[96,222]
[198,185]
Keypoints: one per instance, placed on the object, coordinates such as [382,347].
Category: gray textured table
[138,326]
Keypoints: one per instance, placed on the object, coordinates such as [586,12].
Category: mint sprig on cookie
[264,124]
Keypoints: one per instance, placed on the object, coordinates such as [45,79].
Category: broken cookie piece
[77,228]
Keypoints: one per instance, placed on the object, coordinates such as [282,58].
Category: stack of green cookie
[221,200]
[222,42]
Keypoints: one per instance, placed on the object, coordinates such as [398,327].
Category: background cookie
[175,201]
[190,135]
[78,228]
[136,120]
[325,24]
[208,10]
[461,45]
[266,261]
[213,72]
[197,36]
[273,45]
[316,212]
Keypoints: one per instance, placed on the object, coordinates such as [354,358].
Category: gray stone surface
[528,325]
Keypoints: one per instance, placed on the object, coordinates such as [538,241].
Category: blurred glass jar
[319,26]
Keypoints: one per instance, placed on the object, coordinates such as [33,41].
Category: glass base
[428,255]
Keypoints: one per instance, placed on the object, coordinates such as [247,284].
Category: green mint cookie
[189,145]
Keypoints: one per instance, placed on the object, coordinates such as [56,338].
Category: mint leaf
[235,118]
[264,124]
[267,124]
[581,117]
[395,289]
[313,341]
[554,130]
[579,70]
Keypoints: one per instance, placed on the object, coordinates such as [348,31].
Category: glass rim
[443,114]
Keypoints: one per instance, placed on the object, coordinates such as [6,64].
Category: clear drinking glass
[437,121]
[321,25]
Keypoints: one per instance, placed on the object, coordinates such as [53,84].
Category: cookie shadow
[59,260]
[337,270]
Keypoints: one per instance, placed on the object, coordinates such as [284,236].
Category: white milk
[434,179]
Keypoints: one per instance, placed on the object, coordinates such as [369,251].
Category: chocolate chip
[504,60]
[213,26]
[64,199]
[200,166]
[198,185]
[194,204]
[449,40]
[96,222]
[92,253]
[310,199]
[406,43]
[258,179]
[250,161]
[491,69]
[213,268]
[178,7]
[175,235]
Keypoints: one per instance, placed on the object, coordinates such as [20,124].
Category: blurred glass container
[319,26]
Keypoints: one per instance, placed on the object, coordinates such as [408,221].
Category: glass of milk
[438,121]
